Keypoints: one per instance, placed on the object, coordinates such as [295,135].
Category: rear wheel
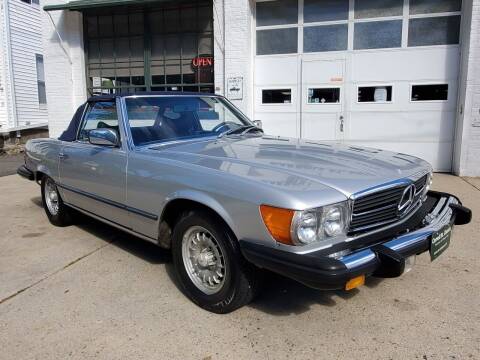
[57,212]
[209,265]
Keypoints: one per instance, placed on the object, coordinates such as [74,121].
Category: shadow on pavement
[279,296]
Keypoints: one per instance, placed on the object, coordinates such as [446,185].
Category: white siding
[26,41]
[7,119]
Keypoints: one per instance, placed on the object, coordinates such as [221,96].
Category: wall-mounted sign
[202,61]
[235,88]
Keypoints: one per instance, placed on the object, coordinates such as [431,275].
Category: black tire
[242,279]
[63,217]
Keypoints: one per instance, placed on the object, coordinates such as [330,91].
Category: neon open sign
[202,61]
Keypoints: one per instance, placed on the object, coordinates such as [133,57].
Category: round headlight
[306,227]
[333,222]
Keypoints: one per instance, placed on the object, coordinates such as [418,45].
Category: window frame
[340,100]
[411,85]
[392,85]
[85,114]
[41,105]
[277,88]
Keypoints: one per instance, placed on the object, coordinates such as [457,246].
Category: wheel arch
[183,201]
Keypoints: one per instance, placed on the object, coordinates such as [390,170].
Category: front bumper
[25,172]
[385,258]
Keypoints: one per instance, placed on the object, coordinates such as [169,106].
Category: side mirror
[258,123]
[103,137]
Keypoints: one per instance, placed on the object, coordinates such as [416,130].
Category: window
[365,9]
[277,96]
[277,41]
[323,95]
[36,2]
[378,34]
[434,6]
[325,10]
[434,31]
[433,92]
[377,94]
[156,119]
[100,115]
[149,49]
[42,94]
[280,12]
[324,25]
[325,38]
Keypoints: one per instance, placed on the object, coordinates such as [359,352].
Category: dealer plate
[440,241]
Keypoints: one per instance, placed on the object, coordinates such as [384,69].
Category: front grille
[381,207]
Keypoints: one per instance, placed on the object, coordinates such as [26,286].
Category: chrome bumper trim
[438,218]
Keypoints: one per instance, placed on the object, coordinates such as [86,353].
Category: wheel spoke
[203,260]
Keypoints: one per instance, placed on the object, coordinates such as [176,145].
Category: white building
[23,103]
[402,75]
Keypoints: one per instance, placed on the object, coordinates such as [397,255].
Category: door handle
[62,156]
[341,123]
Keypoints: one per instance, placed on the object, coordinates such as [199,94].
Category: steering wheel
[223,124]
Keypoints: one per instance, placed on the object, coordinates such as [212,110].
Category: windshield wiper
[250,128]
[246,129]
[233,131]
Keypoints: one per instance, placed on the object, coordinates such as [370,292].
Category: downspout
[8,48]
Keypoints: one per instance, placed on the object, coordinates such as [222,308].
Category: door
[322,99]
[93,177]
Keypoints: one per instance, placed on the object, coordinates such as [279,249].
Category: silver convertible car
[191,173]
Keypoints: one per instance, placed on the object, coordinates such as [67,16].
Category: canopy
[80,5]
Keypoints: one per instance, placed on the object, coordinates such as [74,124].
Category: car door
[93,177]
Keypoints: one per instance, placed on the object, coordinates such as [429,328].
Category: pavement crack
[469,183]
[54,273]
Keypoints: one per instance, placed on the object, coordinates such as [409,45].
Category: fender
[204,199]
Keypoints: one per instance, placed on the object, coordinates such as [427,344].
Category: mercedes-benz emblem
[406,201]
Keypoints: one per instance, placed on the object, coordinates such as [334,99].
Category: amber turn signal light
[355,282]
[278,222]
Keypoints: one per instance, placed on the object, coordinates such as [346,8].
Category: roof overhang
[81,5]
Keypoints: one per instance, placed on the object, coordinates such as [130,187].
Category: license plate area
[440,241]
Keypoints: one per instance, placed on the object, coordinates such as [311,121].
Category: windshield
[167,118]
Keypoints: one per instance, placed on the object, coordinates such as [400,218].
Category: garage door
[375,73]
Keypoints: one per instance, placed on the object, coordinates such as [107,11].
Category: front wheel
[57,212]
[209,265]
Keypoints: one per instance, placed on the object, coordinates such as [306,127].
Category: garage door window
[325,38]
[276,96]
[323,95]
[365,9]
[434,6]
[325,10]
[378,34]
[277,41]
[442,30]
[375,94]
[430,92]
[280,12]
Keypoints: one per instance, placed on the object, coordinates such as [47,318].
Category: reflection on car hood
[348,169]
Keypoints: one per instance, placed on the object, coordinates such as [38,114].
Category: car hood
[346,168]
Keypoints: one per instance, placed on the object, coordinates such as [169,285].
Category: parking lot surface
[91,291]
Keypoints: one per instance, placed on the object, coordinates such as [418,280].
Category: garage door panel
[319,126]
[398,127]
[279,124]
[412,64]
[322,72]
[268,70]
